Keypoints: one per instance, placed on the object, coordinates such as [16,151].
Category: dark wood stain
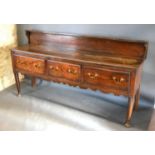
[106,64]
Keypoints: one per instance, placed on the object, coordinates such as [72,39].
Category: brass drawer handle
[51,67]
[37,65]
[118,80]
[115,78]
[57,68]
[93,76]
[54,68]
[72,71]
[122,79]
[20,62]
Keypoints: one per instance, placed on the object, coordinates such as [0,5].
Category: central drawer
[106,78]
[68,71]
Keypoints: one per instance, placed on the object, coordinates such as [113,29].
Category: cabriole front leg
[131,102]
[137,98]
[16,75]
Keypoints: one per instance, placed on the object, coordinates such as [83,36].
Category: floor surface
[47,107]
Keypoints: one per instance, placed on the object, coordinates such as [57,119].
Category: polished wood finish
[106,64]
[131,102]
[137,98]
[64,70]
[30,64]
[17,82]
[107,78]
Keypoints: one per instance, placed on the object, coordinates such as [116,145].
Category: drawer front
[64,70]
[33,65]
[106,78]
[54,69]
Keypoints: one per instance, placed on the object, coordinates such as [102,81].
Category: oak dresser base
[105,64]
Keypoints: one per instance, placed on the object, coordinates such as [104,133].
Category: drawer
[106,78]
[54,69]
[33,65]
[64,70]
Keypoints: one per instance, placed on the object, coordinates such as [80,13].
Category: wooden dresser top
[98,50]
